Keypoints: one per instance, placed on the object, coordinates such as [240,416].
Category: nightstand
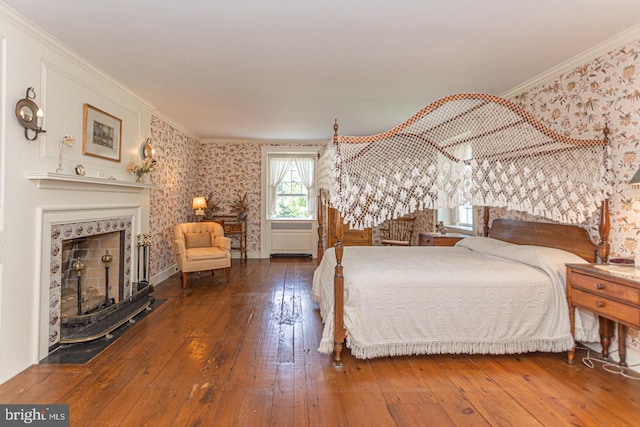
[610,291]
[437,239]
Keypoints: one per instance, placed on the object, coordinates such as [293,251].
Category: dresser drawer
[357,237]
[605,288]
[605,307]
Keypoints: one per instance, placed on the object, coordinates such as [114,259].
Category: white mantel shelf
[61,181]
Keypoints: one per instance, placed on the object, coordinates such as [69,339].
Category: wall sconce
[199,203]
[30,115]
[635,180]
[68,141]
[148,152]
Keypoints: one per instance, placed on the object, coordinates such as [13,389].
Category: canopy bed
[486,294]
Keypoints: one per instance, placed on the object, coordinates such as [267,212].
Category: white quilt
[481,296]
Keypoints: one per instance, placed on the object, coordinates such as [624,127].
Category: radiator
[292,238]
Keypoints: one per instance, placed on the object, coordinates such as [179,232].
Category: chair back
[399,231]
[197,227]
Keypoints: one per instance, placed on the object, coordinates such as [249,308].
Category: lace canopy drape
[474,148]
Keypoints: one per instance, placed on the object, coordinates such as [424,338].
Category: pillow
[197,240]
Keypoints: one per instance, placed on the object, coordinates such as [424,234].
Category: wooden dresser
[351,237]
[610,291]
[438,239]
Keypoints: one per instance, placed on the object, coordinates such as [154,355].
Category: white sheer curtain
[278,167]
[306,171]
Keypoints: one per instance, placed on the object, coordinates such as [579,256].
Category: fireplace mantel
[61,181]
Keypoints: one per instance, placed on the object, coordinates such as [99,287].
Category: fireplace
[86,243]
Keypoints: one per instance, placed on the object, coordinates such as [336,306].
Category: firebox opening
[92,273]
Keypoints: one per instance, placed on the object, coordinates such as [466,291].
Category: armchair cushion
[199,254]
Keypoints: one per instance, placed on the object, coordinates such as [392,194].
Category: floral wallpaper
[580,103]
[176,182]
[228,171]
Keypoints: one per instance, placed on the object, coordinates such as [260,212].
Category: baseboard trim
[164,275]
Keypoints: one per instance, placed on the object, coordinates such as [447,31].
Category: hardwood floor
[244,354]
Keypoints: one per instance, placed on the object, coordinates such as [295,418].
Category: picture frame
[101,134]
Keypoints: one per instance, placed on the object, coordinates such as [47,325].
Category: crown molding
[278,142]
[12,17]
[627,36]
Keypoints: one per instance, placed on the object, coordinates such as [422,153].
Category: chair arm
[223,242]
[180,252]
[178,247]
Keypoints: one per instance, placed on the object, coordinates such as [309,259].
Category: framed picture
[102,134]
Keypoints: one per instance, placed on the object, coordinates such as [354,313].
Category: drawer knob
[599,286]
[600,304]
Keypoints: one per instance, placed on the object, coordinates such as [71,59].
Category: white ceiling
[284,69]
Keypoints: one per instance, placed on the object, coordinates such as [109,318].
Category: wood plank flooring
[244,354]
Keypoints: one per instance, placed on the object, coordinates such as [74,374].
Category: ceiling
[284,69]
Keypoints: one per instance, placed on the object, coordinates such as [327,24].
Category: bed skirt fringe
[452,347]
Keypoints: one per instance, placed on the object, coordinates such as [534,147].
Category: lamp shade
[635,180]
[199,202]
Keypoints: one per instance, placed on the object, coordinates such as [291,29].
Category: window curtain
[306,171]
[278,167]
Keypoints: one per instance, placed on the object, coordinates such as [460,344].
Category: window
[290,191]
[460,217]
[465,215]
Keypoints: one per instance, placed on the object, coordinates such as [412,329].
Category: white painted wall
[63,82]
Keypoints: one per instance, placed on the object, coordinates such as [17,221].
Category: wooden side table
[610,291]
[235,229]
[438,239]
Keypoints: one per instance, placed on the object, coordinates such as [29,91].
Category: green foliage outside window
[292,207]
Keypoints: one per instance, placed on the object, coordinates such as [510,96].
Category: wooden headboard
[570,238]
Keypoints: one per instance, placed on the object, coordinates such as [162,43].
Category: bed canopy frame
[467,148]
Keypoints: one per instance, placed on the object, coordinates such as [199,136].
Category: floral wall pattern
[580,103]
[228,171]
[176,182]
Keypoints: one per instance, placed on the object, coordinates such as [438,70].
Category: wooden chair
[398,232]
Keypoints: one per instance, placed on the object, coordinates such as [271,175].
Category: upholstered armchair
[200,246]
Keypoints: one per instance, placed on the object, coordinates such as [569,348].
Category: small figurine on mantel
[241,207]
[440,228]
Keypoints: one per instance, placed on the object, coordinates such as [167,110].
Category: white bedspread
[481,296]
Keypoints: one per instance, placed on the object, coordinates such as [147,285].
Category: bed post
[339,334]
[338,289]
[604,228]
[320,231]
[485,221]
